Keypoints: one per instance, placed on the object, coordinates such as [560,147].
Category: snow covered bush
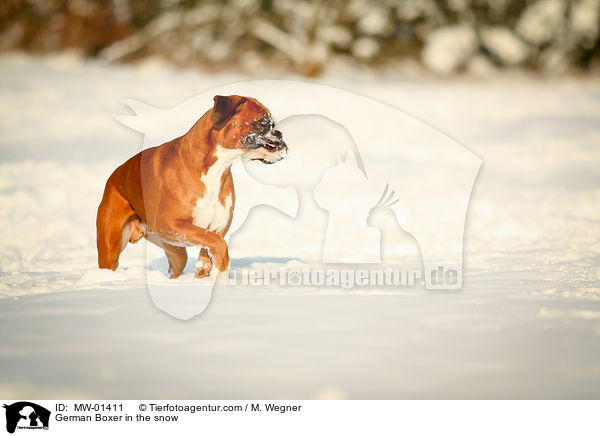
[305,36]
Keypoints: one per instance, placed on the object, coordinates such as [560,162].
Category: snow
[584,20]
[448,48]
[525,325]
[375,22]
[542,21]
[504,45]
[365,48]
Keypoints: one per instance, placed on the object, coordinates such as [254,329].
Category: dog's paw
[203,267]
[173,274]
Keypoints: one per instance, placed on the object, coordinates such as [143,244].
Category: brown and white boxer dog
[181,193]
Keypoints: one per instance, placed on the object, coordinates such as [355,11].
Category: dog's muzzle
[267,148]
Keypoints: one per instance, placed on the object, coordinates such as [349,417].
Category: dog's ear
[224,109]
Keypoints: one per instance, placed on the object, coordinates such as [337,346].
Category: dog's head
[243,123]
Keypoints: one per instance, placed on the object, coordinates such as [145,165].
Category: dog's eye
[263,125]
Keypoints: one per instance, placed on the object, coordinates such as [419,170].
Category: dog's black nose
[277,134]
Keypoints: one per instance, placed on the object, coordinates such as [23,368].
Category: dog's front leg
[204,264]
[205,238]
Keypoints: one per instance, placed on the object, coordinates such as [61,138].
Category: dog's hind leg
[114,227]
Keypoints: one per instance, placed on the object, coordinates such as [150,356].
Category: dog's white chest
[209,213]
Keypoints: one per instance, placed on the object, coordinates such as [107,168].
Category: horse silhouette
[31,411]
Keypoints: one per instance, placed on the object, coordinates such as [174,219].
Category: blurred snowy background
[514,82]
[251,36]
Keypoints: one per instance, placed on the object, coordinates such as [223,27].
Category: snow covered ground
[525,325]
